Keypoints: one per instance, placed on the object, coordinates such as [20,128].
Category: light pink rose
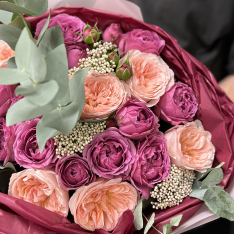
[5,53]
[40,188]
[190,147]
[151,77]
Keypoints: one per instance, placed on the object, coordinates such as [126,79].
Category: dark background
[205,28]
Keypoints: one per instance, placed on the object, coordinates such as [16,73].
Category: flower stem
[152,225]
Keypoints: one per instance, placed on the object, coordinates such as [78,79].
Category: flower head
[5,53]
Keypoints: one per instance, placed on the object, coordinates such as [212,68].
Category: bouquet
[108,118]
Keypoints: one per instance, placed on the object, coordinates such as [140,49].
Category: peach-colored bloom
[104,94]
[40,188]
[5,53]
[101,204]
[190,147]
[151,77]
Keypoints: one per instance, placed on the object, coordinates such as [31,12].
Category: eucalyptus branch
[152,225]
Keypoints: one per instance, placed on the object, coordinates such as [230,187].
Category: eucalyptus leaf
[213,178]
[19,23]
[44,134]
[10,35]
[11,63]
[175,221]
[167,229]
[10,165]
[138,219]
[14,16]
[10,76]
[216,190]
[149,223]
[197,192]
[8,6]
[5,16]
[93,120]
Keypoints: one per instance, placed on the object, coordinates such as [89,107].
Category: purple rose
[136,120]
[178,105]
[73,172]
[70,26]
[113,34]
[143,40]
[110,155]
[26,149]
[7,139]
[76,52]
[152,164]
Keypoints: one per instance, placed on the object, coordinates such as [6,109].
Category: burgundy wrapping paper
[216,112]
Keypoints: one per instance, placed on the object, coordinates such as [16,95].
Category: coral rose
[104,94]
[5,53]
[151,77]
[101,204]
[190,147]
[40,188]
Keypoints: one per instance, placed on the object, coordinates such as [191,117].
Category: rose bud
[91,34]
[113,34]
[114,57]
[124,72]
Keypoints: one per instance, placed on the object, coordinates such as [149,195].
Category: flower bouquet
[108,118]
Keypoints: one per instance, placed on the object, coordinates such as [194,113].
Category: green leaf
[24,110]
[11,63]
[10,76]
[150,223]
[138,219]
[63,119]
[40,94]
[222,204]
[10,165]
[57,67]
[126,74]
[5,17]
[7,6]
[175,221]
[14,16]
[167,229]
[18,23]
[93,120]
[10,35]
[216,190]
[44,134]
[197,192]
[45,27]
[53,37]
[214,177]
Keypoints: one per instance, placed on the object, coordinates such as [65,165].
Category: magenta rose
[152,164]
[76,52]
[70,26]
[113,34]
[7,139]
[26,149]
[136,120]
[142,40]
[110,155]
[178,105]
[73,172]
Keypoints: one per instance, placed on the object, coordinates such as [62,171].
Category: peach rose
[101,204]
[5,53]
[190,147]
[40,188]
[104,94]
[151,77]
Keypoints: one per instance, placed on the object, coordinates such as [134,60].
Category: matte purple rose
[73,172]
[136,120]
[70,26]
[110,155]
[152,164]
[113,34]
[142,40]
[7,139]
[178,105]
[76,52]
[26,149]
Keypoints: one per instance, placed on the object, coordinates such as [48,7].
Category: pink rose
[190,147]
[5,53]
[142,40]
[113,34]
[40,188]
[101,204]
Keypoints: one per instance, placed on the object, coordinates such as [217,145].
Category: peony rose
[152,164]
[104,94]
[7,139]
[151,77]
[70,26]
[26,149]
[190,147]
[113,34]
[110,155]
[178,105]
[142,40]
[101,204]
[40,188]
[5,53]
[136,120]
[73,172]
[76,52]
